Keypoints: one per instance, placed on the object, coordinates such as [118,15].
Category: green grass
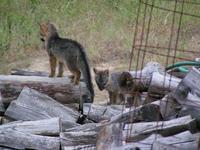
[103,27]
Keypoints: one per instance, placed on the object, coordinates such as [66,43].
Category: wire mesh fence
[164,42]
[168,48]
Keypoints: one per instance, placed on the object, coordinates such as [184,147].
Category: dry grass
[105,28]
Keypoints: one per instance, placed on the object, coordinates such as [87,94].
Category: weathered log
[148,70]
[98,113]
[85,127]
[11,86]
[185,97]
[154,80]
[5,120]
[21,72]
[80,147]
[142,78]
[138,131]
[2,108]
[32,105]
[169,107]
[25,72]
[41,127]
[190,84]
[138,114]
[5,148]
[19,140]
[162,84]
[161,146]
[191,106]
[110,137]
[192,81]
[181,141]
[78,138]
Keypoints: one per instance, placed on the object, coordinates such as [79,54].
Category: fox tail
[85,70]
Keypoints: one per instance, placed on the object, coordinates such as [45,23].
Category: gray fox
[115,83]
[66,52]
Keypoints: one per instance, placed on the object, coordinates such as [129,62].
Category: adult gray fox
[116,84]
[66,52]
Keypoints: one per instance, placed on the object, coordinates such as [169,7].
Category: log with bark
[25,72]
[137,131]
[19,140]
[32,105]
[11,86]
[22,72]
[51,127]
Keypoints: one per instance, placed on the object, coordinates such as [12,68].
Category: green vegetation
[103,27]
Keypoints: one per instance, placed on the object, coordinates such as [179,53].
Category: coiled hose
[181,66]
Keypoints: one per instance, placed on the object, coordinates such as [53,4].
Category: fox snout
[101,87]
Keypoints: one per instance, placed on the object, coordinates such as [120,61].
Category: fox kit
[67,52]
[114,83]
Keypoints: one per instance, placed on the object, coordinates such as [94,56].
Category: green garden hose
[180,65]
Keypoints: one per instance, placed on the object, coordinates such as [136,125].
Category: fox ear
[39,24]
[43,27]
[48,21]
[107,71]
[95,70]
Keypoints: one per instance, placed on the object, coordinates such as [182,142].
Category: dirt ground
[41,63]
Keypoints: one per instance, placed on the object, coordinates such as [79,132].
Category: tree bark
[11,86]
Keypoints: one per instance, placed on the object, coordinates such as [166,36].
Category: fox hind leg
[77,77]
[53,62]
[60,69]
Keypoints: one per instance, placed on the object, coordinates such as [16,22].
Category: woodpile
[37,112]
